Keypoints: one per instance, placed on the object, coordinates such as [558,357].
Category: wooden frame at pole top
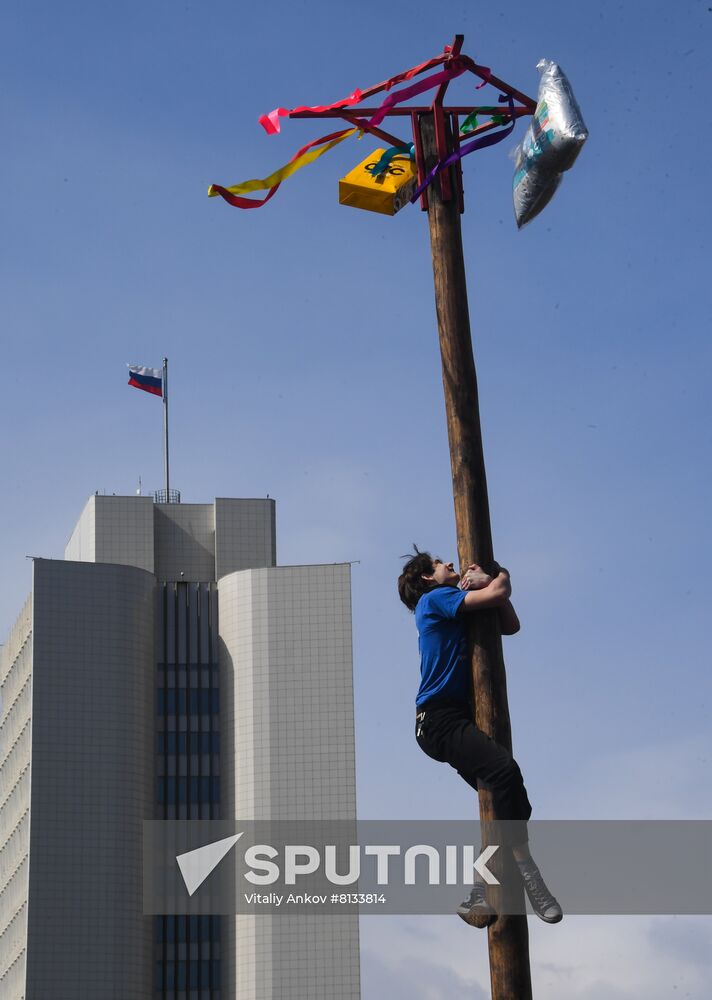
[357,117]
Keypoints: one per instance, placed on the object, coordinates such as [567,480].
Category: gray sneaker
[476,911]
[543,903]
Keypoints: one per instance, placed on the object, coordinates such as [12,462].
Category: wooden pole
[508,937]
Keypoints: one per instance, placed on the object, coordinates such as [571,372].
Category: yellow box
[387,193]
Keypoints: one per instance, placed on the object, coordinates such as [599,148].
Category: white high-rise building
[167,668]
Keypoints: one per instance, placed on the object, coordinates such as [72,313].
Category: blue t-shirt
[442,640]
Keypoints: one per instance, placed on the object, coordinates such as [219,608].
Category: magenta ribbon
[456,69]
[481,142]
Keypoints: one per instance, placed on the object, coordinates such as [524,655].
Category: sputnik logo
[195,866]
[303,860]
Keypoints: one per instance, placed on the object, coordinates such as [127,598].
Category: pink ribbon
[270,122]
[456,69]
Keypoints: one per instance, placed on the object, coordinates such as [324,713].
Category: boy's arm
[495,595]
[478,580]
[509,623]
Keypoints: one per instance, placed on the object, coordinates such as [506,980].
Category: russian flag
[148,379]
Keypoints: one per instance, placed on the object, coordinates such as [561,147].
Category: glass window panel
[213,620]
[194,597]
[170,624]
[182,620]
[204,620]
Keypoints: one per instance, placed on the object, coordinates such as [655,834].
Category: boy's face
[443,574]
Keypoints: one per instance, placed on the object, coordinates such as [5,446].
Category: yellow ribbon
[284,172]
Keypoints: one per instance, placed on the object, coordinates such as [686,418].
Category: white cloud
[414,979]
[665,779]
[583,958]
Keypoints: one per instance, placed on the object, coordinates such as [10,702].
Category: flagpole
[165,426]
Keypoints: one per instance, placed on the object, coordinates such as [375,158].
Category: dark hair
[411,585]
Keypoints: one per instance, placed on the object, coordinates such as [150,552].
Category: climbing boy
[445,729]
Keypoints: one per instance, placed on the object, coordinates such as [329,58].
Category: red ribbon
[239,202]
[270,122]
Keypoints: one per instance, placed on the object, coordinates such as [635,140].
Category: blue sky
[304,365]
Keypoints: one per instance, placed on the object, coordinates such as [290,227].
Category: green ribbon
[470,123]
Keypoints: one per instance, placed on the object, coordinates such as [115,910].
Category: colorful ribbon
[270,122]
[470,123]
[456,69]
[481,142]
[313,150]
[389,155]
[304,156]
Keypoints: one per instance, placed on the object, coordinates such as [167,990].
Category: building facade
[167,668]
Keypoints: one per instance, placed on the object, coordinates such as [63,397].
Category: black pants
[446,732]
